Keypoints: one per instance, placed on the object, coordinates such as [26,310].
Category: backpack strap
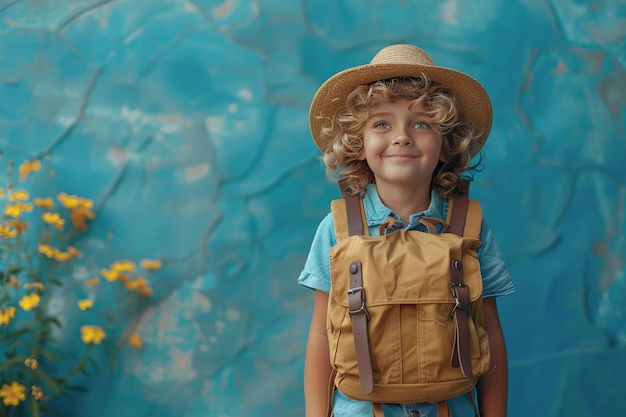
[349,219]
[464,219]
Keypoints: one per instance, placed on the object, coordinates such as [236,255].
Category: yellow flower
[73,202]
[27,207]
[19,225]
[54,218]
[46,250]
[150,264]
[45,203]
[109,275]
[140,282]
[135,341]
[28,302]
[6,231]
[85,304]
[34,286]
[145,291]
[92,334]
[6,314]
[78,216]
[36,392]
[13,210]
[55,253]
[27,167]
[12,394]
[31,363]
[92,282]
[18,195]
[123,266]
[125,278]
[74,252]
[61,256]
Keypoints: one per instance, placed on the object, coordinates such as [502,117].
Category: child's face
[400,148]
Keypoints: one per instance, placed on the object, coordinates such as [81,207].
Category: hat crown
[402,54]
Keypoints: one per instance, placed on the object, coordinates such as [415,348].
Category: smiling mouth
[402,156]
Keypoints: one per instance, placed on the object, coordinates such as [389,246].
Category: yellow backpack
[405,312]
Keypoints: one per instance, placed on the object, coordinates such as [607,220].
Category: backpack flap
[405,268]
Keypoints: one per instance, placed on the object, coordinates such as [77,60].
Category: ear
[361,156]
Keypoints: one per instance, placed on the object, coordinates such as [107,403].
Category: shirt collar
[376,212]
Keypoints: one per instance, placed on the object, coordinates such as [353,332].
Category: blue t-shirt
[316,275]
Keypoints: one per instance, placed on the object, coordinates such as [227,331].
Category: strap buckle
[457,304]
[360,310]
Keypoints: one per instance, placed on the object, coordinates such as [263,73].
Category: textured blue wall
[186,122]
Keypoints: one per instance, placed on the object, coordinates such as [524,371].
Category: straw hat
[401,61]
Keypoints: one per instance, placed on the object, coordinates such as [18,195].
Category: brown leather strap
[470,395]
[429,223]
[458,211]
[377,410]
[353,209]
[359,318]
[443,409]
[460,312]
[356,300]
[473,220]
[460,352]
[331,392]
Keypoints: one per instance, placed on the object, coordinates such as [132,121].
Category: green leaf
[56,282]
[48,354]
[93,363]
[49,381]
[16,333]
[78,388]
[53,320]
[33,407]
[15,345]
[15,270]
[12,361]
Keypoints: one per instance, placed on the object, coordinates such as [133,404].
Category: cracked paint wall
[186,123]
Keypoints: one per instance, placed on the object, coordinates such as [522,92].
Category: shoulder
[325,233]
[497,280]
[316,272]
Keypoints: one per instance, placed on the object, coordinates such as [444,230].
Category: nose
[403,138]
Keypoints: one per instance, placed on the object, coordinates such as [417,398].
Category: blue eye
[381,125]
[421,125]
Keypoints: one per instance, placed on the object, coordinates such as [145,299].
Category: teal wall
[186,123]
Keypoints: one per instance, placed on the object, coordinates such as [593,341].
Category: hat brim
[471,95]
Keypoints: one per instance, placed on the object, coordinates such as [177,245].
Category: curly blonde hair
[344,130]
